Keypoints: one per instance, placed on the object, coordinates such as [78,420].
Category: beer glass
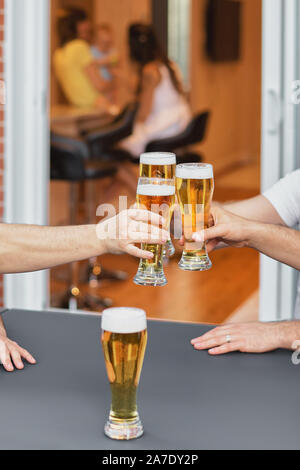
[124,339]
[155,195]
[159,165]
[194,188]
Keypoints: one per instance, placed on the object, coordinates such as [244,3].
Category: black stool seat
[68,165]
[101,141]
[193,134]
[189,157]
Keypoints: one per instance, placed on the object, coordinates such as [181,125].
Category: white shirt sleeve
[285,197]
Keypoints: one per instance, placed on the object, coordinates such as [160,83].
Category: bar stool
[100,142]
[194,133]
[68,162]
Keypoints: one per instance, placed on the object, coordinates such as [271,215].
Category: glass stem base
[194,262]
[150,277]
[123,430]
[169,249]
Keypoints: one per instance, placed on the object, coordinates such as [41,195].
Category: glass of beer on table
[155,195]
[159,165]
[124,339]
[194,188]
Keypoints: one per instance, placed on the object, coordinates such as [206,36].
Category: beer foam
[123,320]
[195,171]
[158,158]
[155,190]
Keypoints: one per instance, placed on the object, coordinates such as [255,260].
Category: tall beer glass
[124,339]
[159,165]
[194,187]
[155,195]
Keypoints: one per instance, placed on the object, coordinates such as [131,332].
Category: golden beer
[194,188]
[124,339]
[155,195]
[159,165]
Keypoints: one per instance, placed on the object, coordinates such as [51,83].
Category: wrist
[2,328]
[254,231]
[289,333]
[98,239]
[103,239]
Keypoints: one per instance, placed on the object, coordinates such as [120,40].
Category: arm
[280,243]
[110,60]
[257,208]
[31,248]
[253,337]
[93,75]
[150,80]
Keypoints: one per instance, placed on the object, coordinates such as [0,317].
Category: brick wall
[1,125]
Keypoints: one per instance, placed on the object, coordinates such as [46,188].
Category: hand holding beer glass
[124,339]
[155,195]
[159,165]
[194,187]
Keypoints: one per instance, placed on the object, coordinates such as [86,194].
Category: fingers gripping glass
[194,187]
[158,196]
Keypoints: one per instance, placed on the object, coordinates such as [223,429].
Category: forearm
[257,208]
[288,333]
[144,111]
[31,248]
[2,327]
[280,243]
[101,85]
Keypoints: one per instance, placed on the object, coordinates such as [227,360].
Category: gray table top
[187,399]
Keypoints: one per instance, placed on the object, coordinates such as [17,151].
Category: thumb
[209,234]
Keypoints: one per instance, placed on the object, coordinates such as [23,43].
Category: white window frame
[26,135]
[280,138]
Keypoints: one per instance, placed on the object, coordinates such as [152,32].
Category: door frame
[280,139]
[26,176]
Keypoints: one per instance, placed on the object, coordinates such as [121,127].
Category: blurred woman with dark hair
[163,110]
[74,64]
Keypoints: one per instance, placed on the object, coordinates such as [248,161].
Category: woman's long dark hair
[67,24]
[145,48]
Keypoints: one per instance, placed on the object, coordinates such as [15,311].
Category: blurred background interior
[217,47]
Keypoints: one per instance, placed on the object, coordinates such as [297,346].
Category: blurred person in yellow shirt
[75,66]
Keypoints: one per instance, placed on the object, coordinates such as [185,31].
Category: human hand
[122,232]
[253,337]
[226,228]
[11,354]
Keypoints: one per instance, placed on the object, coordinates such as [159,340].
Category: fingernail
[197,345]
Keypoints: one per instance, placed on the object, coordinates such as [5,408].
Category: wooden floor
[197,297]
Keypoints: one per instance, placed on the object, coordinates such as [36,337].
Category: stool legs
[74,299]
